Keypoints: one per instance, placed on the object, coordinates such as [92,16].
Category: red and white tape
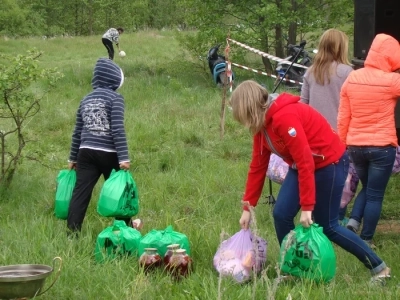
[264,73]
[230,76]
[278,59]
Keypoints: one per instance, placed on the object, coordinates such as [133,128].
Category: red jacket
[302,137]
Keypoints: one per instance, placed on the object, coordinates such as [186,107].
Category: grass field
[187,176]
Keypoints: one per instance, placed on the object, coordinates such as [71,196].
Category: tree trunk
[267,65]
[90,17]
[278,41]
[266,61]
[278,34]
[293,26]
[265,46]
[76,13]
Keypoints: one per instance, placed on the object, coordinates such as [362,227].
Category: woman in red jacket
[318,167]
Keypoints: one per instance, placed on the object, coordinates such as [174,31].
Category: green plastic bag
[66,180]
[160,239]
[117,240]
[308,253]
[119,196]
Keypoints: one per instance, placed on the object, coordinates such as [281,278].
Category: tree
[22,86]
[267,25]
[16,20]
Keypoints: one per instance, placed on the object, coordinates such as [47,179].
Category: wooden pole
[223,100]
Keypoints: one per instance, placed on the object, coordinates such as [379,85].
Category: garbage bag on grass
[160,239]
[117,240]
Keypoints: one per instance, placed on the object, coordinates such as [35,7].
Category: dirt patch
[388,226]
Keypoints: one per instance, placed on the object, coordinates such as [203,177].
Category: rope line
[264,73]
[278,59]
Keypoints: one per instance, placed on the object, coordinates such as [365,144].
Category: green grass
[187,176]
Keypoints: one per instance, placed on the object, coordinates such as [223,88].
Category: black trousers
[91,164]
[110,48]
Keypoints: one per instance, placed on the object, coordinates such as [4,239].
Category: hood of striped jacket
[107,74]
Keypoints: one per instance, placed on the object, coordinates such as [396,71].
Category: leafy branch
[22,86]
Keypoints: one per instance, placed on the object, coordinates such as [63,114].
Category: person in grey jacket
[324,79]
[111,36]
[99,142]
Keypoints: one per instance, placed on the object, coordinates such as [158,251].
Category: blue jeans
[329,183]
[373,166]
[342,213]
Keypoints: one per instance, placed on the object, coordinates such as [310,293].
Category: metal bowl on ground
[25,280]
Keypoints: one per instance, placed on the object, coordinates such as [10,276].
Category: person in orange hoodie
[318,163]
[366,125]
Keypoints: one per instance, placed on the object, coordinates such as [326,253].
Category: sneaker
[381,278]
[344,222]
[351,228]
[353,225]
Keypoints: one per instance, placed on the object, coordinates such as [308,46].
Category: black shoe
[72,234]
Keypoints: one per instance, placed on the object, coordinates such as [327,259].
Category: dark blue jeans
[342,213]
[373,166]
[329,182]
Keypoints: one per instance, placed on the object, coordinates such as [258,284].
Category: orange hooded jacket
[369,95]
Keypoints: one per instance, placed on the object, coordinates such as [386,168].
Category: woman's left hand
[306,218]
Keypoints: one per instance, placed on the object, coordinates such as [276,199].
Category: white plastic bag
[239,255]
